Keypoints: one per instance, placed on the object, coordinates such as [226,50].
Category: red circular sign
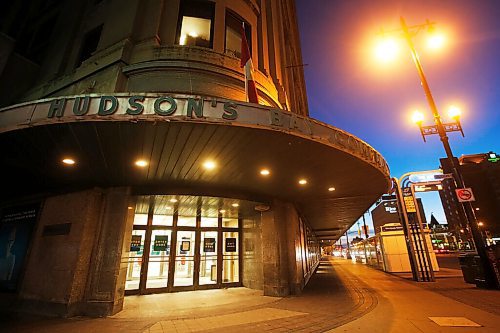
[464,194]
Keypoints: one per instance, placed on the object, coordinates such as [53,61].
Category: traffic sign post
[465,194]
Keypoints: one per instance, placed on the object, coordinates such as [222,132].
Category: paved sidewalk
[341,297]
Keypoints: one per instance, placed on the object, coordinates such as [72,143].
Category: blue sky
[349,89]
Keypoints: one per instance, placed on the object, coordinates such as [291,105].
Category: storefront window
[233,34]
[196,23]
[208,258]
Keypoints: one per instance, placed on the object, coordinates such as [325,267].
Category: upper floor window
[233,34]
[89,45]
[196,23]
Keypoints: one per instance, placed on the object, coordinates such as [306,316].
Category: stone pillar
[57,267]
[106,286]
[74,265]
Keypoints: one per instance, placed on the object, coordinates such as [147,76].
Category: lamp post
[441,128]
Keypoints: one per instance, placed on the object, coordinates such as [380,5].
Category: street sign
[465,194]
[444,176]
[409,200]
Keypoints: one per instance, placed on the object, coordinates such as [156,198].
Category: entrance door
[176,246]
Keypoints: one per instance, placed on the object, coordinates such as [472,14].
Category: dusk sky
[348,88]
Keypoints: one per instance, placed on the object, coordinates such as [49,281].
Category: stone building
[131,163]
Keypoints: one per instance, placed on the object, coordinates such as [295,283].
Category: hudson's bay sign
[148,107]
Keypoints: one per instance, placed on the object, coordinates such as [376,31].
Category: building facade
[481,172]
[133,165]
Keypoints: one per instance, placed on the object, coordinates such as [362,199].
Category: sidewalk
[341,297]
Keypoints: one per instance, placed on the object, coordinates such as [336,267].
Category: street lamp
[441,129]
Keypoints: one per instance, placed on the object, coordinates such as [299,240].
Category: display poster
[16,226]
[209,245]
[160,243]
[135,244]
[185,246]
[230,244]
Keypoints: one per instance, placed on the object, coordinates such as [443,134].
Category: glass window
[207,222]
[186,221]
[233,34]
[141,210]
[229,223]
[196,23]
[163,211]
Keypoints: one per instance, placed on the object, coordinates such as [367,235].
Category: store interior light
[173,200]
[302,181]
[235,205]
[331,189]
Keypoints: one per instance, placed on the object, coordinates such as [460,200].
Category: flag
[246,63]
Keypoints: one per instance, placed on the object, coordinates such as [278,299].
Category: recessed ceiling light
[265,172]
[209,165]
[130,207]
[68,161]
[477,208]
[222,211]
[331,189]
[235,205]
[173,200]
[302,181]
[141,163]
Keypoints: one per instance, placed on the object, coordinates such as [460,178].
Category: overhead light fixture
[209,165]
[235,205]
[331,189]
[130,207]
[222,211]
[302,181]
[68,161]
[265,172]
[141,163]
[173,200]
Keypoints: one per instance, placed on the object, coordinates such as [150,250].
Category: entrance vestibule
[183,243]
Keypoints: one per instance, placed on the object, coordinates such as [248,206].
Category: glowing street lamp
[441,129]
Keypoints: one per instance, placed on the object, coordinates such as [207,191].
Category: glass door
[159,253]
[208,258]
[230,257]
[134,260]
[184,259]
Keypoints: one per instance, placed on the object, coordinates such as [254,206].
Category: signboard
[465,194]
[209,245]
[185,246]
[16,226]
[391,228]
[230,244]
[160,243]
[409,200]
[444,176]
[135,244]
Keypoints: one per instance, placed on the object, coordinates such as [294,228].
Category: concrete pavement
[341,297]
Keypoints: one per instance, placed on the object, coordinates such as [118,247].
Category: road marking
[454,321]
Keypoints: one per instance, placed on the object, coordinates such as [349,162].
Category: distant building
[481,172]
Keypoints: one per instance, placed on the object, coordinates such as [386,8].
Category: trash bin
[479,277]
[468,267]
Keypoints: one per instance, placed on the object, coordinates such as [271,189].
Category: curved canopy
[175,136]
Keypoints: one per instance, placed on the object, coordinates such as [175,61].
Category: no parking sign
[465,194]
